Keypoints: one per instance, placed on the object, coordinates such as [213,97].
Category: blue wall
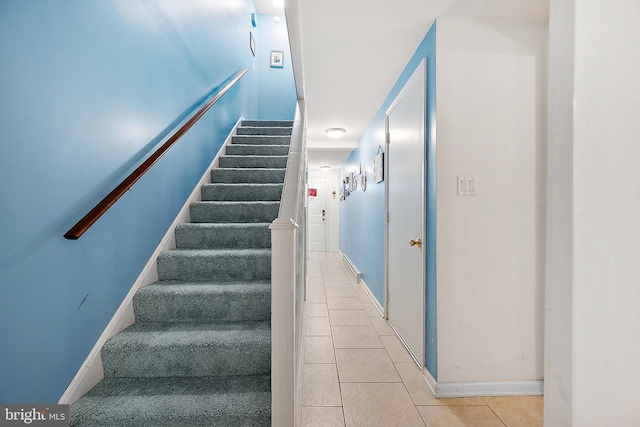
[88,89]
[276,86]
[362,215]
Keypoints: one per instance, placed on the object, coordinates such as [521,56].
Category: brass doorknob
[417,243]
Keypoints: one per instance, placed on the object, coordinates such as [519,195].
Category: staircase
[199,353]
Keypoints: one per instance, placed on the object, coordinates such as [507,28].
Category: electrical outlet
[467,185]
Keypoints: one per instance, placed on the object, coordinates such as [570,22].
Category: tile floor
[357,373]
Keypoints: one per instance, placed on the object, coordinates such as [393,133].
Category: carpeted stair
[199,353]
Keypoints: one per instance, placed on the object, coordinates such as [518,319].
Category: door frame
[419,72]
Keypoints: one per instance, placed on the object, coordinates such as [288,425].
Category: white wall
[594,145]
[332,205]
[491,106]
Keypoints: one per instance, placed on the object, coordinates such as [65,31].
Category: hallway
[357,373]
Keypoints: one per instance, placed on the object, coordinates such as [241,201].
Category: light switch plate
[467,185]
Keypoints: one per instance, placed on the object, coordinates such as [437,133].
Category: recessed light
[325,167]
[335,133]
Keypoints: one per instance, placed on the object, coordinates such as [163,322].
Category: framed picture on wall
[277,59]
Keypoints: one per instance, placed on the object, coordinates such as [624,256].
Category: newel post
[283,363]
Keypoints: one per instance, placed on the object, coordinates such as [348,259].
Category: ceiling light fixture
[325,167]
[279,3]
[335,133]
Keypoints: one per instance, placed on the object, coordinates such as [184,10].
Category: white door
[406,208]
[317,214]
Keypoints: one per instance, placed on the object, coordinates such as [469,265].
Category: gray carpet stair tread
[175,349]
[242,175]
[242,192]
[261,139]
[175,301]
[215,264]
[267,123]
[223,235]
[263,130]
[202,401]
[256,150]
[266,162]
[225,211]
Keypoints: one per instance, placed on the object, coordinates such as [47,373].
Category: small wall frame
[277,59]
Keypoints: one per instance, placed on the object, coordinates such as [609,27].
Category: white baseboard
[355,273]
[91,372]
[350,267]
[373,299]
[431,382]
[517,388]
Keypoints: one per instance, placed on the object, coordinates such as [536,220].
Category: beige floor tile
[382,326]
[326,273]
[316,296]
[384,405]
[330,265]
[371,310]
[319,350]
[349,318]
[365,365]
[312,281]
[314,272]
[335,283]
[361,293]
[420,392]
[317,310]
[459,416]
[518,411]
[315,287]
[318,326]
[344,304]
[396,349]
[345,292]
[356,337]
[322,417]
[320,385]
[415,383]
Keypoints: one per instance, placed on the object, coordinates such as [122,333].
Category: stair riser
[231,176]
[267,123]
[260,140]
[236,192]
[218,267]
[257,150]
[227,212]
[202,307]
[199,236]
[269,162]
[145,361]
[263,131]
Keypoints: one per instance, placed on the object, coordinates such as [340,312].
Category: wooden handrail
[89,219]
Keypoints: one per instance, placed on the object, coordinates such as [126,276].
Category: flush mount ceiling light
[325,167]
[335,133]
[279,3]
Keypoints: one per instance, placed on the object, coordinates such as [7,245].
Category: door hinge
[387,216]
[388,137]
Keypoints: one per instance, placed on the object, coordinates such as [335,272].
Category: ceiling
[347,54]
